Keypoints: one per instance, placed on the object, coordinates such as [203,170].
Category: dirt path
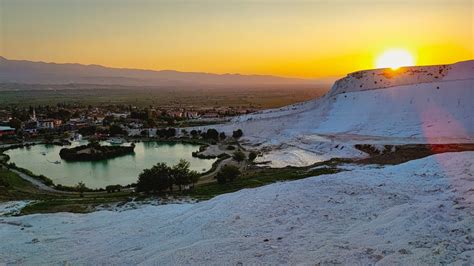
[209,178]
[38,183]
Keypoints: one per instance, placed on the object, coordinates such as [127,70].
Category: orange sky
[286,38]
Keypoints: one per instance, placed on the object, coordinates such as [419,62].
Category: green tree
[87,131]
[107,120]
[239,156]
[237,133]
[113,188]
[157,178]
[221,179]
[49,138]
[15,123]
[252,156]
[170,132]
[81,188]
[180,174]
[169,120]
[94,142]
[222,136]
[116,130]
[194,177]
[145,181]
[162,177]
[212,134]
[227,173]
[151,122]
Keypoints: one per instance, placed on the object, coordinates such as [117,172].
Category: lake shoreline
[183,151]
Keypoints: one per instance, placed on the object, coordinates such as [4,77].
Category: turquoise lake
[122,170]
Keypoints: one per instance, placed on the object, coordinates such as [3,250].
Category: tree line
[162,177]
[213,134]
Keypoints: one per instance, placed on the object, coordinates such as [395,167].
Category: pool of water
[122,170]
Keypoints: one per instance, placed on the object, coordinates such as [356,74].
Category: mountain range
[28,72]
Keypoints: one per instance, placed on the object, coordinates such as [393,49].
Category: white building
[47,124]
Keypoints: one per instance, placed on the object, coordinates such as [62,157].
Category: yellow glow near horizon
[394,59]
[307,39]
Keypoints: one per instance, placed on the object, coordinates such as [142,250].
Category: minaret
[34,115]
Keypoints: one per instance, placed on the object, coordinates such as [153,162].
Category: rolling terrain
[417,212]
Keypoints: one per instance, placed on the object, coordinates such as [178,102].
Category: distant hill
[21,71]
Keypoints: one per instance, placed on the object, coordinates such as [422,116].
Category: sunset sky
[286,38]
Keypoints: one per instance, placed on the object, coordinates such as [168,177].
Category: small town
[74,121]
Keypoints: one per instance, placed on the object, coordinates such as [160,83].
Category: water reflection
[121,170]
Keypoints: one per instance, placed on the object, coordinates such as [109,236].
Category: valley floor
[417,212]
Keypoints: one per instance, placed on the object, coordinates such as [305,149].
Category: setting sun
[395,59]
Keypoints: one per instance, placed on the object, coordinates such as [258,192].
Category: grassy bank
[48,202]
[257,178]
[75,204]
[19,189]
[13,187]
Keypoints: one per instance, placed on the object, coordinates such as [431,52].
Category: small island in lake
[94,152]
